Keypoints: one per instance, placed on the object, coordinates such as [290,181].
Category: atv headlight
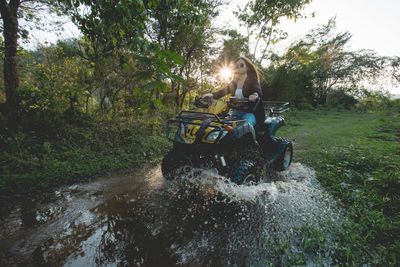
[183,129]
[212,137]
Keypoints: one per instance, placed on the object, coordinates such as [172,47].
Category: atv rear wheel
[285,158]
[174,163]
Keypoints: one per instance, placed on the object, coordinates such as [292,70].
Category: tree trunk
[177,93]
[87,104]
[11,80]
[182,99]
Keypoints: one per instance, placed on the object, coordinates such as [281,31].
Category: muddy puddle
[200,219]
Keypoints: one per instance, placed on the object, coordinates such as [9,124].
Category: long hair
[251,69]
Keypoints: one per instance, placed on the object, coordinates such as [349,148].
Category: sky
[373,24]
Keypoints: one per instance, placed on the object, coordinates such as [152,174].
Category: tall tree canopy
[166,39]
[261,19]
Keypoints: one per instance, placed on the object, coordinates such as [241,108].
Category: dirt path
[139,219]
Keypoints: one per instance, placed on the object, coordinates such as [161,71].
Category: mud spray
[197,219]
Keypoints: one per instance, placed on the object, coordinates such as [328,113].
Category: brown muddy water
[199,219]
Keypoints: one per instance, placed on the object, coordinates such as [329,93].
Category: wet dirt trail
[141,219]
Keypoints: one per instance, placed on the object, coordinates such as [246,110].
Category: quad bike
[231,147]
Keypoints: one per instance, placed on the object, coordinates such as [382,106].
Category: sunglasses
[240,65]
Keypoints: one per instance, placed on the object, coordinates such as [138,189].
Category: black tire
[248,173]
[284,160]
[173,164]
[250,166]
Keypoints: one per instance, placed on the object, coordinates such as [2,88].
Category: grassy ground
[39,157]
[357,159]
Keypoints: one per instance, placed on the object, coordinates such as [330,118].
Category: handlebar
[244,103]
[202,102]
[274,107]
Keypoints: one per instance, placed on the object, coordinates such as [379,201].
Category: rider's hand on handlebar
[253,97]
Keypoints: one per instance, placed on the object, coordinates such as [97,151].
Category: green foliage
[261,18]
[368,184]
[319,68]
[184,28]
[394,105]
[234,46]
[155,42]
[15,15]
[37,159]
[357,160]
[111,24]
[293,85]
[55,80]
[155,72]
[375,101]
[339,99]
[312,244]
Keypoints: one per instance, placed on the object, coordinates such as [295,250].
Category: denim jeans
[249,117]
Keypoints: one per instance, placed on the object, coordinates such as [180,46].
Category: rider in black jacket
[245,84]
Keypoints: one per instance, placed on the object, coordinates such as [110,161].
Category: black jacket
[250,86]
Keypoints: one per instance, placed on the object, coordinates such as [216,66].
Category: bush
[53,149]
[305,106]
[339,99]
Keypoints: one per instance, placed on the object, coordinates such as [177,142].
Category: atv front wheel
[173,164]
[285,158]
[247,172]
[250,165]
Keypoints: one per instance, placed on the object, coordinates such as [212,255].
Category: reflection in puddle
[140,220]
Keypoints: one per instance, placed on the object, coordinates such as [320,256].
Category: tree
[110,28]
[323,57]
[395,69]
[184,28]
[235,46]
[11,12]
[337,67]
[125,30]
[54,80]
[261,19]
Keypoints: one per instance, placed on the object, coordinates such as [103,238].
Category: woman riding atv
[241,146]
[245,84]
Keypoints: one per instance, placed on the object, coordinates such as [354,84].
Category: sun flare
[225,74]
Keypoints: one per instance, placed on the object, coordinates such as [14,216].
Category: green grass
[35,160]
[313,131]
[357,159]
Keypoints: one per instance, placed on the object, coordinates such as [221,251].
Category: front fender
[241,132]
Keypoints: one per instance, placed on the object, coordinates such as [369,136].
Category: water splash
[211,183]
[261,218]
[200,218]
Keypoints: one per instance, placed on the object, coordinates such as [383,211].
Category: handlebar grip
[258,101]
